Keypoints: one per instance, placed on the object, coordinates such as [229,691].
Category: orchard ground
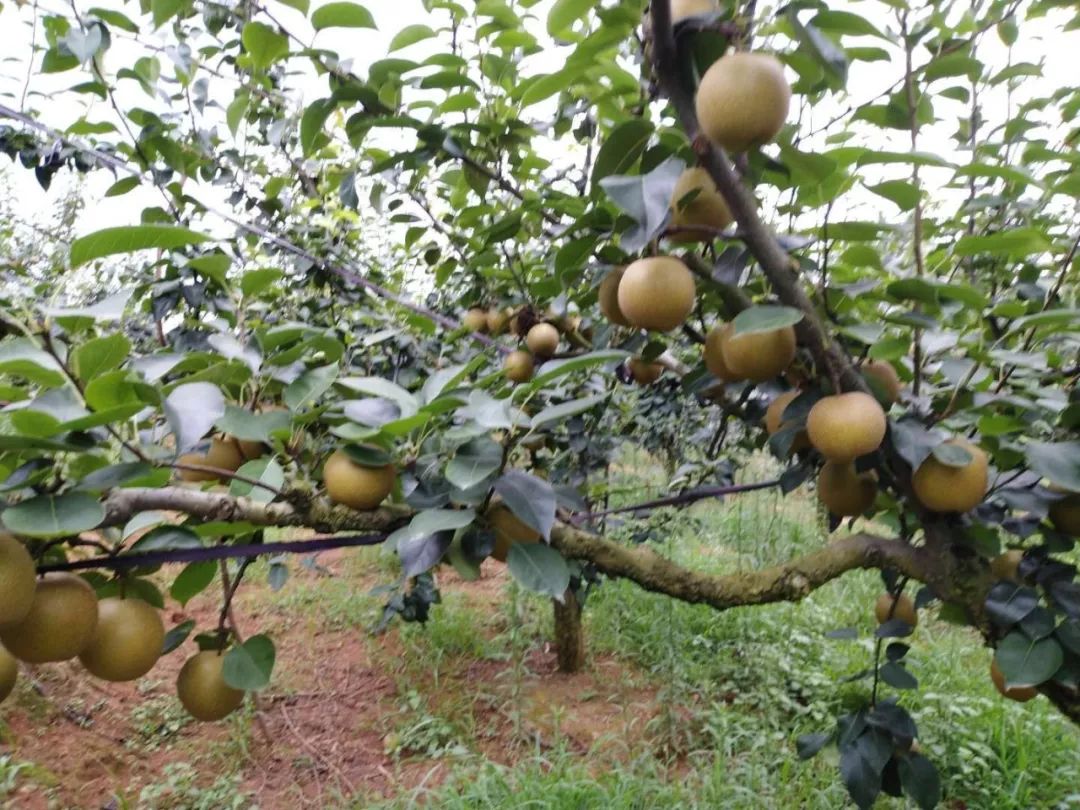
[681,706]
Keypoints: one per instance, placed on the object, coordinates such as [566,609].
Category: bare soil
[328,726]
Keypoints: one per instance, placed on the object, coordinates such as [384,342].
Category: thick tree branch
[318,514]
[787,582]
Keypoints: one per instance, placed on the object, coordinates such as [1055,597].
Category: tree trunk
[569,635]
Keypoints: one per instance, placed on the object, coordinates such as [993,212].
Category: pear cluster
[58,617]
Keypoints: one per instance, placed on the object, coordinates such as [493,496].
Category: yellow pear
[17,580]
[944,488]
[356,485]
[1007,565]
[9,673]
[518,366]
[656,293]
[543,340]
[608,295]
[742,100]
[681,9]
[845,492]
[643,372]
[883,380]
[905,609]
[845,426]
[202,689]
[1021,694]
[774,419]
[508,529]
[127,641]
[223,454]
[1065,514]
[705,209]
[60,623]
[498,320]
[758,356]
[714,355]
[475,320]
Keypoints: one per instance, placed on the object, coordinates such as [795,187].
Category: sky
[1042,41]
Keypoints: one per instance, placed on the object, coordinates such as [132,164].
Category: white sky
[1042,41]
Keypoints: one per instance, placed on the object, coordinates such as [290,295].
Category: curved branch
[787,582]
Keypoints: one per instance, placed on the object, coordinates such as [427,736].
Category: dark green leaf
[248,666]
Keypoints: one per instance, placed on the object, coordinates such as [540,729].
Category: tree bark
[569,633]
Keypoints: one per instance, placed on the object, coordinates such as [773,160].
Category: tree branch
[787,582]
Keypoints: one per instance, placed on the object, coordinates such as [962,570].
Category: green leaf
[254,282]
[646,199]
[564,13]
[99,355]
[410,35]
[622,149]
[473,462]
[563,410]
[309,386]
[311,123]
[844,22]
[122,186]
[1027,662]
[177,636]
[367,455]
[1057,461]
[765,319]
[540,568]
[54,515]
[248,666]
[543,87]
[530,498]
[920,781]
[192,409]
[1017,243]
[422,543]
[253,427]
[167,538]
[342,15]
[264,45]
[901,192]
[164,10]
[263,469]
[952,455]
[193,580]
[21,357]
[378,387]
[897,676]
[1058,319]
[822,50]
[129,238]
[303,6]
[559,368]
[107,309]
